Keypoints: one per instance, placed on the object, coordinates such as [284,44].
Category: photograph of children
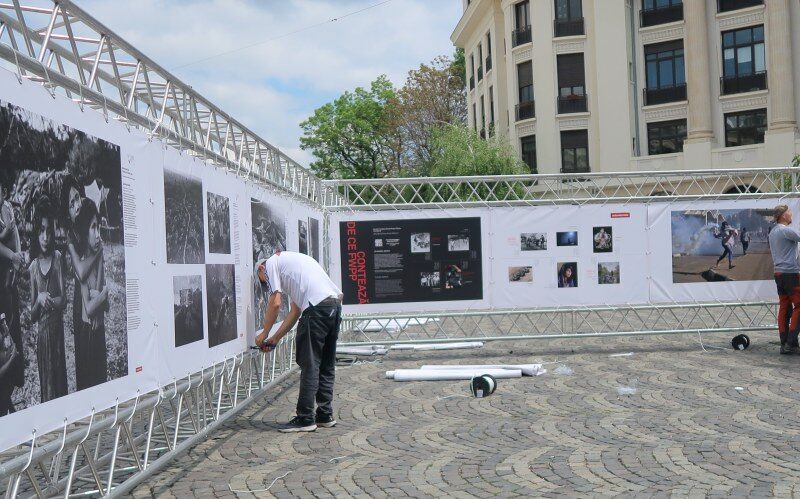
[567,274]
[183,214]
[608,273]
[533,241]
[269,237]
[62,261]
[219,224]
[313,238]
[567,238]
[452,277]
[458,242]
[302,236]
[429,279]
[421,242]
[520,274]
[221,304]
[187,296]
[721,245]
[602,241]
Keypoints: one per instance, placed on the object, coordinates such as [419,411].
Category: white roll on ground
[527,369]
[438,346]
[449,374]
[361,351]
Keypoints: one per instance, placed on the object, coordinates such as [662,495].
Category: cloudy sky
[273,86]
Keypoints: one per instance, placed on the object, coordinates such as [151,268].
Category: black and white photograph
[602,241]
[567,274]
[453,277]
[608,273]
[219,224]
[269,237]
[533,241]
[183,214]
[221,304]
[421,242]
[429,279]
[313,238]
[569,238]
[302,236]
[62,260]
[458,242]
[520,274]
[187,299]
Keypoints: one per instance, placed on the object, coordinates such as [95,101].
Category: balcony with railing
[471,82]
[653,96]
[737,84]
[582,169]
[572,104]
[660,15]
[488,63]
[521,35]
[568,27]
[727,5]
[480,73]
[525,110]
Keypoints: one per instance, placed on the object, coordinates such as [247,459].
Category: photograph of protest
[458,242]
[313,238]
[608,273]
[183,214]
[219,224]
[62,261]
[721,245]
[567,274]
[187,299]
[302,236]
[520,274]
[421,242]
[602,241]
[221,304]
[429,279]
[567,238]
[533,241]
[269,237]
[453,277]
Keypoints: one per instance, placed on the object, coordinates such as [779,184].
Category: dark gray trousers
[317,332]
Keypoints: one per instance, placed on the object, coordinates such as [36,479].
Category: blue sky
[272,87]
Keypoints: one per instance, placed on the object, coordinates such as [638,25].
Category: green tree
[459,67]
[459,151]
[352,136]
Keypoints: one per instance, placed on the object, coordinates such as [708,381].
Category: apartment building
[635,85]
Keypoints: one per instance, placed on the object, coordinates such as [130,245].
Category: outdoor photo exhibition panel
[712,250]
[198,212]
[76,334]
[549,256]
[420,260]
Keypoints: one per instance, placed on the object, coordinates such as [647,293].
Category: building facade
[635,85]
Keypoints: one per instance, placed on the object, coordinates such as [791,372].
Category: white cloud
[271,87]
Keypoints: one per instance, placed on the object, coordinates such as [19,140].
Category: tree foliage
[459,151]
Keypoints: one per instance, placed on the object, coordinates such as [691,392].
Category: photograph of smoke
[721,245]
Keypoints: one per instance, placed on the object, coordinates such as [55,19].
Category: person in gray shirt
[783,246]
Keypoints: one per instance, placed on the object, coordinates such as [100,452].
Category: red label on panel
[621,214]
[139,369]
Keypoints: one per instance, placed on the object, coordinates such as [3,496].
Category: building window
[569,18]
[743,65]
[665,73]
[488,51]
[474,117]
[571,84]
[471,71]
[660,12]
[575,151]
[528,147]
[483,117]
[666,137]
[525,109]
[480,62]
[746,127]
[491,109]
[726,5]
[522,24]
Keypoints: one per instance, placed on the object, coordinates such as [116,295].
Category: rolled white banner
[438,346]
[451,374]
[527,369]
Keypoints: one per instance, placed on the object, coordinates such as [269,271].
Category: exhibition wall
[124,264]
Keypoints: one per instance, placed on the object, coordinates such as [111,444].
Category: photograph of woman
[568,275]
[11,261]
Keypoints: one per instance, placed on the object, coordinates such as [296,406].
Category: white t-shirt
[299,277]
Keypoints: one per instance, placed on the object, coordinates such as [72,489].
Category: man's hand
[269,344]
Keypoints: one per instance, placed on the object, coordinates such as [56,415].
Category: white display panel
[684,251]
[82,182]
[529,246]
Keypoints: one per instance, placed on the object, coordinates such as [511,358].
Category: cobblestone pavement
[719,422]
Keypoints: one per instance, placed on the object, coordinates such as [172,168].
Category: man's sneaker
[326,421]
[786,349]
[297,424]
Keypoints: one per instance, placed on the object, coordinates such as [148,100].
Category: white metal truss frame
[110,452]
[58,44]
